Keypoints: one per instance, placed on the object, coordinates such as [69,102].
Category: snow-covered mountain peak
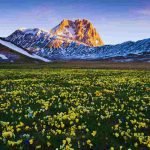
[80,31]
[22,29]
[33,31]
[73,39]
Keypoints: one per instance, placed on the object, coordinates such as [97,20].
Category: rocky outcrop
[81,31]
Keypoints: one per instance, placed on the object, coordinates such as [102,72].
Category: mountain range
[69,40]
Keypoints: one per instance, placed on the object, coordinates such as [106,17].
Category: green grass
[78,64]
[74,109]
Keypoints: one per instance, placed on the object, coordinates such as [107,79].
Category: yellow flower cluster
[74,109]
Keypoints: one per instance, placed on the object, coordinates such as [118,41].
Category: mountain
[9,55]
[78,31]
[73,40]
[12,53]
[30,39]
[125,52]
[75,51]
[81,31]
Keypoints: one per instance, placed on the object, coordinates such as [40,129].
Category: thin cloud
[143,12]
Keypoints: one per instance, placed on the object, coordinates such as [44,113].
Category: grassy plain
[74,108]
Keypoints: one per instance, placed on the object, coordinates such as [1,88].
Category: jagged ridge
[79,31]
[73,40]
[75,51]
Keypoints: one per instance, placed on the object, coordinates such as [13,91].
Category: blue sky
[115,20]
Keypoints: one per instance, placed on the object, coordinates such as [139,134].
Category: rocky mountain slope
[9,55]
[75,51]
[75,40]
[12,53]
[78,31]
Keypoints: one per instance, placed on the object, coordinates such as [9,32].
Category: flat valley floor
[78,64]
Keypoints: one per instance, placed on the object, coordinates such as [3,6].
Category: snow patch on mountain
[3,57]
[22,51]
[73,40]
[30,39]
[75,51]
[68,32]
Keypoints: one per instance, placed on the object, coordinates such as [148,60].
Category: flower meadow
[66,109]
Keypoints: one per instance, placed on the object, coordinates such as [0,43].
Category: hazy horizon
[116,21]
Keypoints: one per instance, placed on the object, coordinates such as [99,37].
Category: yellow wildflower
[7,134]
[68,140]
[31,141]
[93,133]
[88,142]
